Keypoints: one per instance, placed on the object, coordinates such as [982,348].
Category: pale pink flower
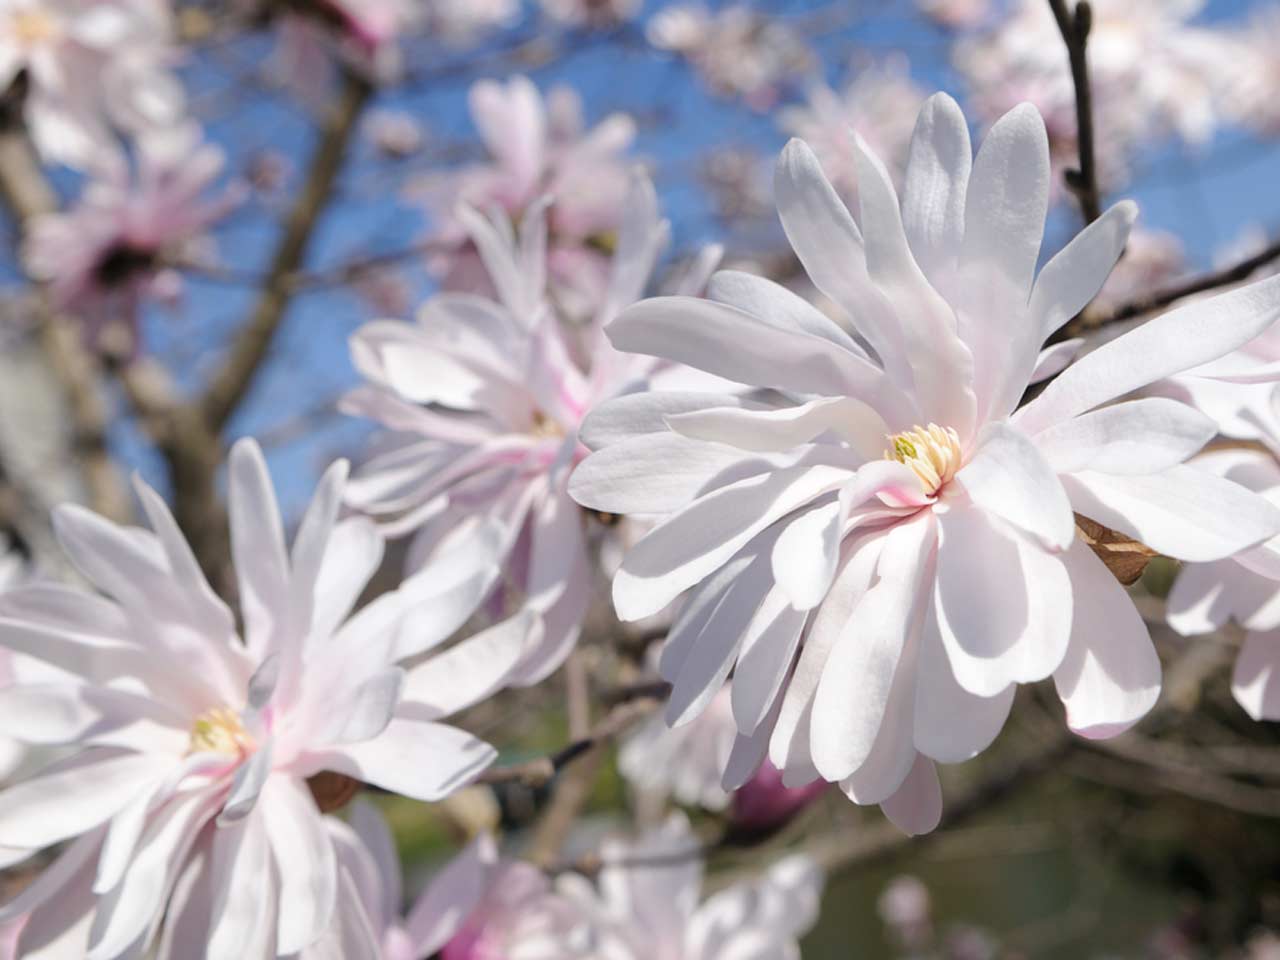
[485,399]
[645,905]
[1153,75]
[95,69]
[880,104]
[121,244]
[477,907]
[883,550]
[1251,75]
[590,13]
[394,133]
[738,52]
[185,801]
[537,149]
[1152,260]
[465,21]
[957,14]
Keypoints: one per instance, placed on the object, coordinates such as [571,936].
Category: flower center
[219,731]
[544,426]
[933,454]
[33,27]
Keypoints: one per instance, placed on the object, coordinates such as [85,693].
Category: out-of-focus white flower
[1152,73]
[957,14]
[477,907]
[394,133]
[538,149]
[464,21]
[879,105]
[94,69]
[885,550]
[485,399]
[1252,74]
[1152,260]
[645,904]
[185,801]
[119,246]
[590,13]
[738,52]
[904,908]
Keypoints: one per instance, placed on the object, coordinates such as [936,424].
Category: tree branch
[1074,27]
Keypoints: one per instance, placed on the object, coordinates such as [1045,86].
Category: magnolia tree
[472,488]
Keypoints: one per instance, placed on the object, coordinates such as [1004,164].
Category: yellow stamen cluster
[33,27]
[933,453]
[219,731]
[544,426]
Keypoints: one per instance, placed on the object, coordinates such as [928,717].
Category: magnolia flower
[538,149]
[689,763]
[185,800]
[475,908]
[956,14]
[94,69]
[1152,260]
[886,549]
[739,52]
[464,21]
[1152,73]
[116,249]
[485,399]
[880,103]
[645,906]
[590,13]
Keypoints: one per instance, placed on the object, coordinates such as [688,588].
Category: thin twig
[1074,27]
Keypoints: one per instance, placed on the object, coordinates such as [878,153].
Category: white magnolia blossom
[645,905]
[477,907]
[590,13]
[485,399]
[686,763]
[1152,72]
[957,14]
[122,243]
[886,549]
[880,103]
[191,827]
[538,148]
[94,69]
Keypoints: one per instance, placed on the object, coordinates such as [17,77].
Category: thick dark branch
[233,381]
[1162,298]
[1074,27]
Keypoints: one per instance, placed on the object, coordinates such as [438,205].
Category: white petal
[1169,344]
[364,710]
[1003,603]
[1110,677]
[257,546]
[916,808]
[765,656]
[451,897]
[775,304]
[766,431]
[1133,437]
[1077,272]
[422,760]
[937,178]
[304,862]
[1008,476]
[636,414]
[1255,681]
[1053,359]
[247,785]
[866,658]
[1181,512]
[242,916]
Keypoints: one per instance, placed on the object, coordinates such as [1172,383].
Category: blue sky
[1207,198]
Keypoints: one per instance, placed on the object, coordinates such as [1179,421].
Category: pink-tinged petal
[559,582]
[470,670]
[868,655]
[243,908]
[250,777]
[311,542]
[941,364]
[124,917]
[775,304]
[830,247]
[73,795]
[733,344]
[123,833]
[951,724]
[916,807]
[723,629]
[1053,359]
[1110,677]
[513,124]
[768,647]
[304,863]
[452,896]
[1181,512]
[636,414]
[1008,477]
[398,357]
[363,711]
[937,180]
[66,713]
[1003,603]
[767,431]
[1255,682]
[1008,198]
[1075,274]
[1169,344]
[351,558]
[186,927]
[702,537]
[258,548]
[381,890]
[1201,599]
[660,473]
[748,752]
[807,552]
[789,745]
[58,927]
[1133,437]
[419,759]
